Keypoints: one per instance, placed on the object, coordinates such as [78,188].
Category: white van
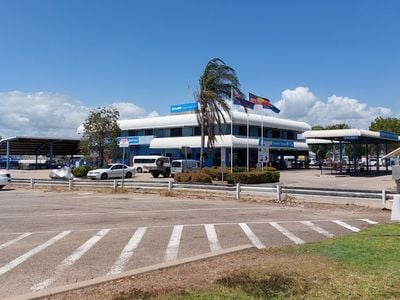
[184,166]
[155,164]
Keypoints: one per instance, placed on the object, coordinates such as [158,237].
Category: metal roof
[25,145]
[353,135]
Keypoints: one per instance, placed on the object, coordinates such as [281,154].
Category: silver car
[112,171]
[5,178]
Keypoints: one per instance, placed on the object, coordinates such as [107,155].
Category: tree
[215,84]
[386,124]
[100,134]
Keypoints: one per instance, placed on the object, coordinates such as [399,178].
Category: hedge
[253,177]
[193,177]
[81,171]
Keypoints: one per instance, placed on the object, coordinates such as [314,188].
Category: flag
[266,103]
[239,100]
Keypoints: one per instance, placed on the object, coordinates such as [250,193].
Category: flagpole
[231,129]
[262,135]
[247,141]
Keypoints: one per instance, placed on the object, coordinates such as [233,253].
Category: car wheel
[139,170]
[104,176]
[166,174]
[155,175]
[128,175]
[1,186]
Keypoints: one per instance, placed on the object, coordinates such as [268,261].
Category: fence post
[238,191]
[32,183]
[383,198]
[115,184]
[396,209]
[169,186]
[70,184]
[278,193]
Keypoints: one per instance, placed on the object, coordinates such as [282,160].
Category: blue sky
[150,54]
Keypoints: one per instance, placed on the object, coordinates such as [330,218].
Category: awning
[394,153]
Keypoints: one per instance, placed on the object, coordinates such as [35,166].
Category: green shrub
[81,171]
[193,177]
[253,177]
[215,173]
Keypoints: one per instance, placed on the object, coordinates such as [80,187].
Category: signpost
[123,143]
[223,162]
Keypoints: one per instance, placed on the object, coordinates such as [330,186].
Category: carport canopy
[351,136]
[24,145]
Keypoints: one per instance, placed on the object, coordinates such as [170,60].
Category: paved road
[49,238]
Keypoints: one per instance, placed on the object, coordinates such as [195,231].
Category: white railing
[275,191]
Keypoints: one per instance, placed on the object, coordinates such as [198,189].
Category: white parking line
[212,237]
[369,221]
[318,229]
[9,243]
[173,245]
[70,260]
[251,235]
[12,264]
[287,233]
[127,252]
[345,225]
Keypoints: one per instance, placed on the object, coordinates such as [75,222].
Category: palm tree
[216,84]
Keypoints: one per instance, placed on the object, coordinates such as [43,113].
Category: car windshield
[109,166]
[176,164]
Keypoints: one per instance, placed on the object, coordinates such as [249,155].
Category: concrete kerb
[104,279]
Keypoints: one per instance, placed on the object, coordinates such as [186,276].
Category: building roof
[191,120]
[25,145]
[352,135]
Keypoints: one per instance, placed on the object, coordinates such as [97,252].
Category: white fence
[275,191]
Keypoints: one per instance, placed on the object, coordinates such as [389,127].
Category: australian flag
[239,100]
[266,103]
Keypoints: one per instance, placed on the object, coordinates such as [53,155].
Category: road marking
[173,245]
[369,221]
[212,237]
[127,252]
[71,259]
[345,225]
[251,235]
[12,264]
[318,229]
[9,243]
[287,233]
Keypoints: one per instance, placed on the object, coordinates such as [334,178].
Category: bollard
[396,209]
[32,183]
[278,193]
[115,184]
[238,191]
[70,184]
[169,186]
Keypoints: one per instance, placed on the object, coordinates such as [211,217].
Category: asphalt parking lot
[50,238]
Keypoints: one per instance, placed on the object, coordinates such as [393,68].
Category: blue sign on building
[184,108]
[133,140]
[278,143]
[388,135]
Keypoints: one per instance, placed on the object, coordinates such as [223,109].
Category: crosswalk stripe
[369,221]
[18,238]
[12,264]
[173,245]
[71,259]
[212,237]
[318,229]
[345,225]
[127,252]
[251,235]
[287,233]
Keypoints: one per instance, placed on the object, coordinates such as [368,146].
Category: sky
[322,62]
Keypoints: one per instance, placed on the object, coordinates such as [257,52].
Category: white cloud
[50,114]
[301,104]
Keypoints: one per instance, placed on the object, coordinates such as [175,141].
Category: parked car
[155,164]
[5,178]
[112,171]
[184,166]
[61,173]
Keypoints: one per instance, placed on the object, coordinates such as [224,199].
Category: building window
[276,134]
[176,131]
[242,130]
[148,132]
[290,135]
[132,132]
[196,131]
